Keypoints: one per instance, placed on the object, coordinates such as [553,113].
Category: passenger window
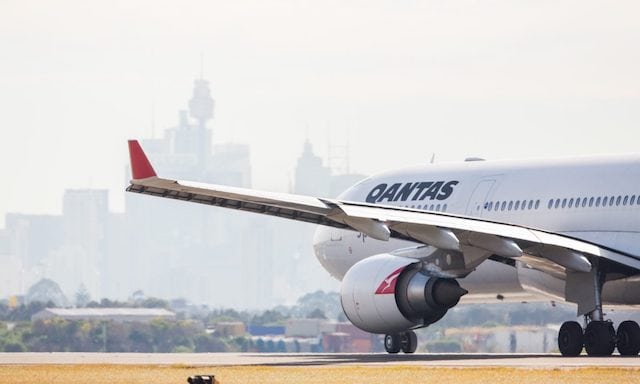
[530,204]
[571,203]
[497,206]
[577,202]
[550,204]
[591,202]
[510,205]
[564,203]
[490,205]
[517,206]
[431,207]
[618,200]
[633,199]
[537,203]
[625,200]
[584,202]
[557,204]
[438,207]
[611,199]
[444,208]
[598,202]
[503,205]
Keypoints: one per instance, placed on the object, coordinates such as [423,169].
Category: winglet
[140,166]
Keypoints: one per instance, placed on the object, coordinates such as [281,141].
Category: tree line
[193,332]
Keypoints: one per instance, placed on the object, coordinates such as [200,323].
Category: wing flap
[537,242]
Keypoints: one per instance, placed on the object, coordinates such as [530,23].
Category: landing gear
[599,338]
[628,337]
[406,342]
[570,338]
[392,343]
[409,342]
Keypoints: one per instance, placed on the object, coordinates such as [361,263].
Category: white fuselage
[596,199]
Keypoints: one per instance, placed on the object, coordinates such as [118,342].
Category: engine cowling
[390,294]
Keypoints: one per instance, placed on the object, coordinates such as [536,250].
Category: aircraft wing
[473,239]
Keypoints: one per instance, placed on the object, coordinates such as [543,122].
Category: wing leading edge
[476,239]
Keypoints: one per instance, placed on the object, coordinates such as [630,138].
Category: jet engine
[390,294]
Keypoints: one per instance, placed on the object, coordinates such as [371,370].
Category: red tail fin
[140,166]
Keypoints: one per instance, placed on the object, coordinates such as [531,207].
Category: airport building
[315,335]
[143,315]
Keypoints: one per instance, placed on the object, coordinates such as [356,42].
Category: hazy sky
[400,79]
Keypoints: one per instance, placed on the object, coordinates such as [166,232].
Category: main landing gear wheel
[599,338]
[628,336]
[409,342]
[406,342]
[570,338]
[392,343]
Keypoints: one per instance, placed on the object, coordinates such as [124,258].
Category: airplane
[408,244]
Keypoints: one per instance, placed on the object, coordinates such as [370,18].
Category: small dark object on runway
[201,379]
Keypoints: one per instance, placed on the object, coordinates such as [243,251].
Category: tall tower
[201,108]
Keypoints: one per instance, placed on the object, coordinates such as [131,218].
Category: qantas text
[415,191]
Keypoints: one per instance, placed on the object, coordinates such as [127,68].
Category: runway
[546,361]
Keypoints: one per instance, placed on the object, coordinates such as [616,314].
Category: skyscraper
[195,251]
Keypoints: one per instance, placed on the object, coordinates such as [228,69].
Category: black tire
[599,338]
[628,337]
[570,338]
[409,342]
[392,343]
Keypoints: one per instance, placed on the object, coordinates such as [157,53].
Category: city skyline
[397,81]
[400,81]
[203,250]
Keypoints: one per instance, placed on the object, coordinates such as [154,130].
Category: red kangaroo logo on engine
[388,285]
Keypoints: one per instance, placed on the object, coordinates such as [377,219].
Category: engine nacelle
[391,294]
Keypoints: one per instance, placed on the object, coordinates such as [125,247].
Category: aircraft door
[479,197]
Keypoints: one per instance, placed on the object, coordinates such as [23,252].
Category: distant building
[32,237]
[266,330]
[144,315]
[12,271]
[308,327]
[82,259]
[294,241]
[312,178]
[69,248]
[230,329]
[315,335]
[171,249]
[84,216]
[209,250]
[348,338]
[504,339]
